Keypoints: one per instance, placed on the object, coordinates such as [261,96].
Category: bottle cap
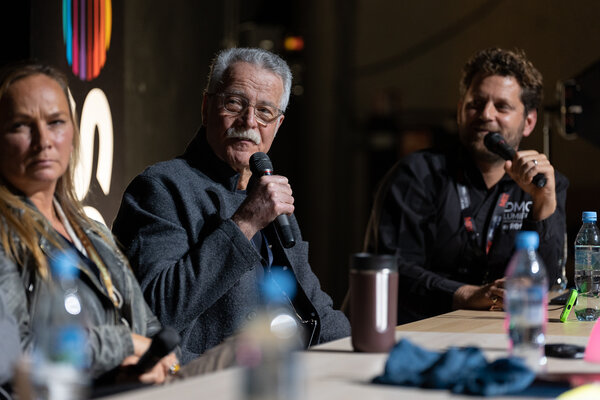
[64,265]
[588,216]
[527,240]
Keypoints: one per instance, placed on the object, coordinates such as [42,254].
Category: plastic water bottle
[60,356]
[267,347]
[527,302]
[587,269]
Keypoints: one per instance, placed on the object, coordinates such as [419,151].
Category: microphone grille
[259,162]
[492,139]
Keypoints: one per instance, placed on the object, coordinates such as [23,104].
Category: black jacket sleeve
[552,232]
[404,223]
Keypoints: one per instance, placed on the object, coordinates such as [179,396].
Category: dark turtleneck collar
[200,155]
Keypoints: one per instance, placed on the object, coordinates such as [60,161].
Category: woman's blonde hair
[22,225]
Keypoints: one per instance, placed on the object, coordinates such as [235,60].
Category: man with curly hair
[451,215]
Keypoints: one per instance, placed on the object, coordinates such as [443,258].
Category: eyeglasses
[235,104]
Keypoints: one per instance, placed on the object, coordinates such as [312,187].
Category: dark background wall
[376,79]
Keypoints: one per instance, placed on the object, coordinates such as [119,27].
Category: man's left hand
[526,165]
[484,297]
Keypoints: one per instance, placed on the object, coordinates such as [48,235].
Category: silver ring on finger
[535,162]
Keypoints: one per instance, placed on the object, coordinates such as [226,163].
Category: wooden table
[334,371]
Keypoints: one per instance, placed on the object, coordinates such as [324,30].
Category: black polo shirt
[417,216]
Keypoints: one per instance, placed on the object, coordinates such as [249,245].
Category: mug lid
[373,262]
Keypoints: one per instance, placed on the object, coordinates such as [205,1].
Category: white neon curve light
[94,114]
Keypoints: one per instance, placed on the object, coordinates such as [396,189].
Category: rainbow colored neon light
[87,27]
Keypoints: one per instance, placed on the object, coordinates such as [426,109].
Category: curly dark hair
[496,61]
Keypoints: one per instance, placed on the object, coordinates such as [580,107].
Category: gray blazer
[197,269]
[109,328]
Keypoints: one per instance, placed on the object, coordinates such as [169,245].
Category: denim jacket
[109,326]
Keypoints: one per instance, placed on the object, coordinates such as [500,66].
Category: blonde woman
[40,215]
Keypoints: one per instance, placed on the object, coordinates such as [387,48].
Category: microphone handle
[284,229]
[282,225]
[162,344]
[539,180]
[505,151]
[146,363]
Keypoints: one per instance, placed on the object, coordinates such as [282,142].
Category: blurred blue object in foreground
[461,370]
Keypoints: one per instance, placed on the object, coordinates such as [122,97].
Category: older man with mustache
[199,239]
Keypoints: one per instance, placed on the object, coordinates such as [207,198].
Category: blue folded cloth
[462,370]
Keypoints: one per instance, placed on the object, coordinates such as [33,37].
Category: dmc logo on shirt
[514,214]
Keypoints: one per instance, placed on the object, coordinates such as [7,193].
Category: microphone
[496,144]
[260,165]
[162,344]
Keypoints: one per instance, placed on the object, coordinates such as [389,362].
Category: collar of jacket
[50,249]
[200,155]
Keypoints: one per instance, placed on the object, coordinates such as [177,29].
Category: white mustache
[248,134]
